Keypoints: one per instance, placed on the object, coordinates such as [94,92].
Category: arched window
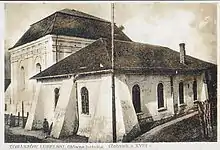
[56,95]
[195,90]
[85,100]
[181,93]
[160,95]
[38,67]
[136,98]
[22,79]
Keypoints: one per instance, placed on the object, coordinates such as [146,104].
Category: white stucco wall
[148,85]
[66,45]
[65,114]
[126,110]
[48,97]
[148,93]
[8,100]
[34,120]
[97,125]
[202,88]
[99,120]
[28,55]
[93,86]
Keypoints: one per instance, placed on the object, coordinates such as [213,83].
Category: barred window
[181,93]
[85,100]
[136,98]
[160,95]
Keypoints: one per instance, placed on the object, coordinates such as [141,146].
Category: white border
[2,75]
[218,70]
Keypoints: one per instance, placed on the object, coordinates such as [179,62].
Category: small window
[22,79]
[136,98]
[5,107]
[160,95]
[85,100]
[181,93]
[195,90]
[38,67]
[56,94]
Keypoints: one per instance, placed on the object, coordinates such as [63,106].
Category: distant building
[71,78]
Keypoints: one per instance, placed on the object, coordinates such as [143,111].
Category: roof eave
[72,74]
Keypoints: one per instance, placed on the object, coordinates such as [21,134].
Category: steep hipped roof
[129,57]
[70,23]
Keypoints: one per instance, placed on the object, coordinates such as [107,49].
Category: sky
[165,24]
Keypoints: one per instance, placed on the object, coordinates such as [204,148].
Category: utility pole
[56,43]
[113,80]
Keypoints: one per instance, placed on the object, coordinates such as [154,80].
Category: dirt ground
[12,138]
[18,135]
[188,130]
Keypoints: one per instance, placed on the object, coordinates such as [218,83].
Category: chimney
[182,53]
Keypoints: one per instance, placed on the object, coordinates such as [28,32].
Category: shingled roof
[71,23]
[129,57]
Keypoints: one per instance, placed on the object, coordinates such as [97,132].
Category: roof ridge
[140,43]
[61,11]
[87,16]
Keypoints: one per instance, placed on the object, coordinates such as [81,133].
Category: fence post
[18,118]
[200,107]
[22,113]
[10,122]
[6,119]
[209,123]
[205,118]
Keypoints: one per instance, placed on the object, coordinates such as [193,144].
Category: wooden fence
[207,116]
[16,120]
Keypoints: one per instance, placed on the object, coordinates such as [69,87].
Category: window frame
[163,98]
[181,98]
[56,97]
[85,107]
[22,77]
[137,108]
[38,65]
[195,90]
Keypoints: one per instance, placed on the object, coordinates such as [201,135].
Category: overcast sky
[165,24]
